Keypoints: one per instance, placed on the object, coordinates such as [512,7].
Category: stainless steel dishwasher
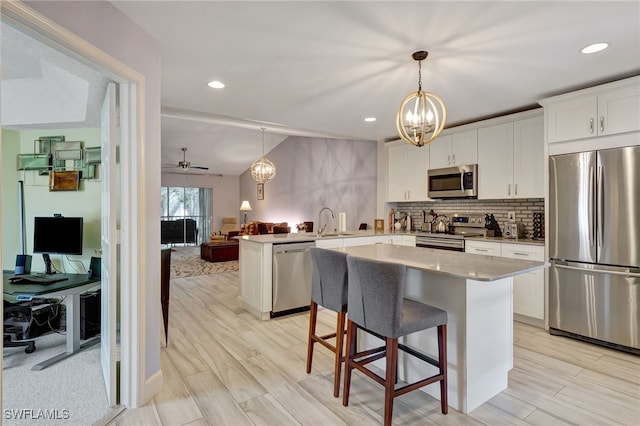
[291,278]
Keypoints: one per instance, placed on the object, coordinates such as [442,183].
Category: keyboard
[35,279]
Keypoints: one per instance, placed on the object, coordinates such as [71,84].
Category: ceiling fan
[186,165]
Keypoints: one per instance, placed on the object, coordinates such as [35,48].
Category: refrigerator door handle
[600,205]
[592,194]
[599,271]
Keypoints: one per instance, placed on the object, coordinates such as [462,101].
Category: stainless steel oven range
[460,226]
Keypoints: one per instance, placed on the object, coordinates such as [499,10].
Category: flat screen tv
[57,235]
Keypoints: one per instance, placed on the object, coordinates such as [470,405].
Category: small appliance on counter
[492,226]
[514,230]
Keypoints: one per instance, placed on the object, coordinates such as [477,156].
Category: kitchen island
[476,292]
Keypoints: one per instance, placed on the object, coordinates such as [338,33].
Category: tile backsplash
[524,209]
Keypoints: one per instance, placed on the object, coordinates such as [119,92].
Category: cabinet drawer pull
[520,254]
[449,159]
[602,124]
[454,159]
[591,125]
[516,187]
[479,249]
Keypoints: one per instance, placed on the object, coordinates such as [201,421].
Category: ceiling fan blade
[198,167]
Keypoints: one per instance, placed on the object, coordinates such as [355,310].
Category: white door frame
[132,235]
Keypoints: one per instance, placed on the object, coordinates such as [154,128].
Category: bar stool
[328,289]
[377,306]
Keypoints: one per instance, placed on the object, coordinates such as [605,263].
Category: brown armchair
[228,224]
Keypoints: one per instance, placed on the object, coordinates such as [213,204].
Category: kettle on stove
[442,224]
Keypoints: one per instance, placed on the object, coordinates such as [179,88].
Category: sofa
[173,231]
[257,228]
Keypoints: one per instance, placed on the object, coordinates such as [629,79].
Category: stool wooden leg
[313,316]
[339,357]
[390,379]
[442,360]
[348,361]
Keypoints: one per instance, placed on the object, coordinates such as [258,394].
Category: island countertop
[456,264]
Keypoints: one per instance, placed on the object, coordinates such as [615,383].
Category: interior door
[109,243]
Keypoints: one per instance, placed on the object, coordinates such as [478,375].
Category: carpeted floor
[186,262]
[70,392]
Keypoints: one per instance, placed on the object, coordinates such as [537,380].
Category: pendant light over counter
[422,115]
[263,170]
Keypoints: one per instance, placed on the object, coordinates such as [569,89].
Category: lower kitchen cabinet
[528,288]
[403,240]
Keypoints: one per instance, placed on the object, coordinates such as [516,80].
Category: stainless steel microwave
[453,182]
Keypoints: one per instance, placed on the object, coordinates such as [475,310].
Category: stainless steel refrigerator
[594,246]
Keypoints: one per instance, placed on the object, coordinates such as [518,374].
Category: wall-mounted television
[57,235]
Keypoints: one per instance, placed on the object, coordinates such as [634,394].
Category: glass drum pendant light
[263,170]
[422,115]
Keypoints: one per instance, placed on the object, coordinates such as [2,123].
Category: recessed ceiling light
[370,119]
[216,84]
[595,47]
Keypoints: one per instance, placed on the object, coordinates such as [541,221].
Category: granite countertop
[508,240]
[458,264]
[300,237]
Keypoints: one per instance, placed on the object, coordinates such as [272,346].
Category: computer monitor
[57,235]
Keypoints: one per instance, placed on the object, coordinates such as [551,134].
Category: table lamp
[244,208]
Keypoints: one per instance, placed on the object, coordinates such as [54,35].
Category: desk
[71,288]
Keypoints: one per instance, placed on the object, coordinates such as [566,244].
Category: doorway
[20,16]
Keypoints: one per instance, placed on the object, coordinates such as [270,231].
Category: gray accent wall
[313,173]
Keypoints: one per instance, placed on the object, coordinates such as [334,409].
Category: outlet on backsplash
[511,216]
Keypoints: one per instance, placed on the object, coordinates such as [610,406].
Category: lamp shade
[245,206]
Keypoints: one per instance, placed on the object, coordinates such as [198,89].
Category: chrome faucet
[321,229]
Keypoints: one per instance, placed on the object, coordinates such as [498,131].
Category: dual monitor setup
[52,235]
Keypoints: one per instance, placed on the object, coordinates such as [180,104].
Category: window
[185,214]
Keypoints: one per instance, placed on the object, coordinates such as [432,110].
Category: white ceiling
[320,68]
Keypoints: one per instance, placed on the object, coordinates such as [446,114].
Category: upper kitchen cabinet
[511,159]
[457,149]
[598,111]
[407,172]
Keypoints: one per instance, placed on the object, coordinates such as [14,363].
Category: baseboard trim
[152,387]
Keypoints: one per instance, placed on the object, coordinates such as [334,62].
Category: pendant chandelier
[422,115]
[263,170]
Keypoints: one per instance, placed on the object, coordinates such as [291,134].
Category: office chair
[17,319]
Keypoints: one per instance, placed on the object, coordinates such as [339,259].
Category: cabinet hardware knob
[601,124]
[591,125]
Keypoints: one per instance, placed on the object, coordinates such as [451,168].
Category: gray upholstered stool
[376,305]
[328,289]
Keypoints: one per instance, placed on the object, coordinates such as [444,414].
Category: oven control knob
[473,220]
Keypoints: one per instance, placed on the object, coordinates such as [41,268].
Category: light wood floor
[224,367]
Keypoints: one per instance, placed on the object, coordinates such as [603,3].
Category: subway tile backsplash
[524,209]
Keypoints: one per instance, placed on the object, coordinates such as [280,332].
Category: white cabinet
[403,240]
[457,149]
[329,242]
[495,161]
[528,288]
[482,247]
[599,111]
[528,158]
[407,172]
[511,160]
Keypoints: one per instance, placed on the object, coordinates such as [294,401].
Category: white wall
[225,193]
[39,201]
[313,173]
[105,27]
